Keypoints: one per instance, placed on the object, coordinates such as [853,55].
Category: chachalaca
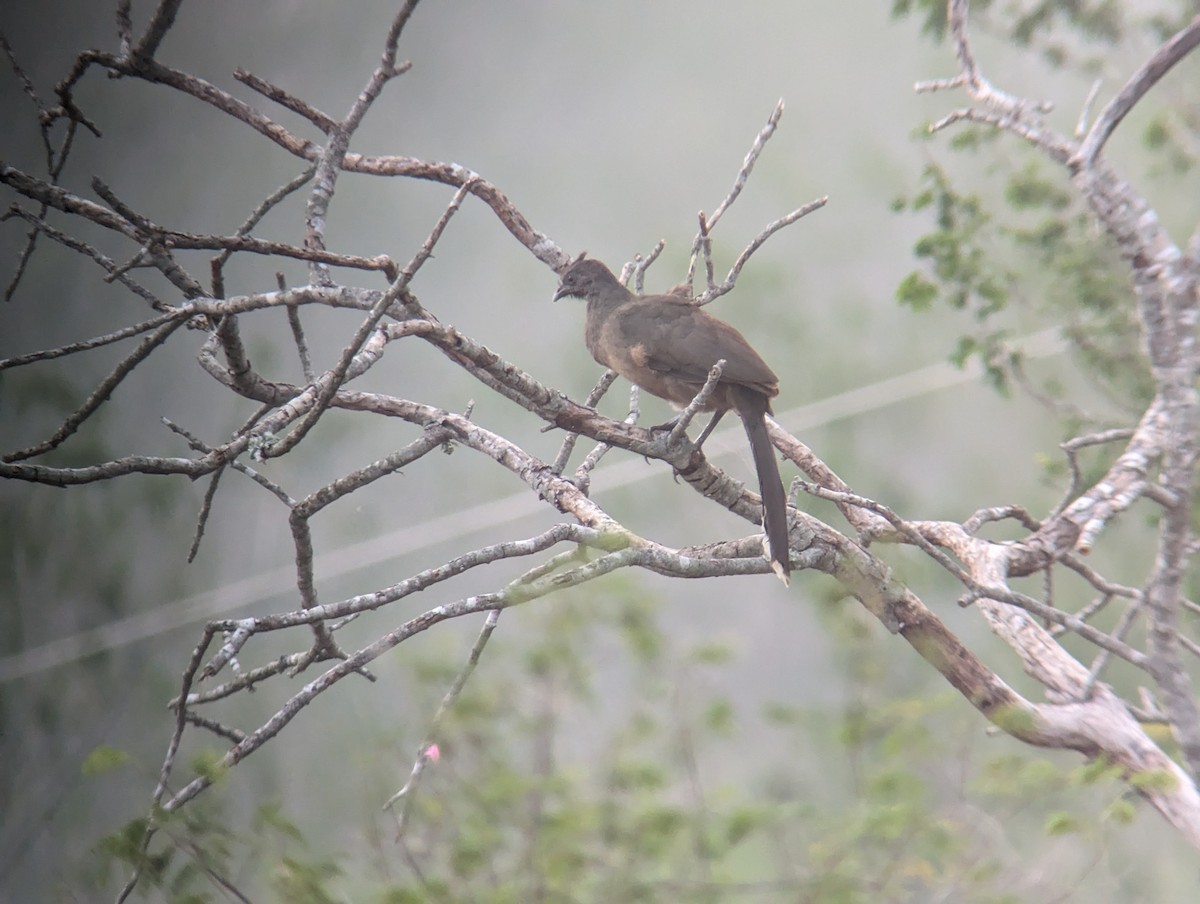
[667,344]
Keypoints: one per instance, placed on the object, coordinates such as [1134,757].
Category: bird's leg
[667,425]
[703,433]
[709,429]
[670,425]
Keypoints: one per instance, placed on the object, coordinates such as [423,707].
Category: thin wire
[245,592]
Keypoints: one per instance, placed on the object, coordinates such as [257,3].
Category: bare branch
[641,264]
[431,734]
[906,530]
[770,230]
[972,78]
[87,344]
[1071,448]
[101,393]
[568,445]
[1163,60]
[998,513]
[1085,112]
[329,161]
[739,182]
[156,30]
[195,444]
[432,438]
[697,404]
[210,493]
[1034,132]
[1164,592]
[638,555]
[125,26]
[244,680]
[87,250]
[583,473]
[705,241]
[447,173]
[332,380]
[325,123]
[63,200]
[1128,617]
[268,203]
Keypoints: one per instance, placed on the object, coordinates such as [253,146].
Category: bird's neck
[601,306]
[607,299]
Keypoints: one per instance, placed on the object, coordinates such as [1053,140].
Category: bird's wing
[678,339]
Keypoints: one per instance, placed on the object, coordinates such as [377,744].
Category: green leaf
[743,822]
[1027,189]
[270,816]
[916,292]
[1061,824]
[103,759]
[405,895]
[208,764]
[1156,134]
[782,714]
[1098,770]
[1121,811]
[711,654]
[719,716]
[964,349]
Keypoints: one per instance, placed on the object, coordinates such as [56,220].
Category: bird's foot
[665,426]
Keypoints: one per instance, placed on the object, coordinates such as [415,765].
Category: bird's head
[585,278]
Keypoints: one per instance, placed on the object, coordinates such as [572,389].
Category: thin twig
[568,444]
[770,230]
[87,344]
[1160,63]
[999,513]
[42,227]
[706,253]
[124,26]
[1085,112]
[1071,449]
[583,473]
[329,161]
[297,328]
[269,203]
[285,99]
[906,529]
[334,378]
[697,404]
[641,264]
[432,438]
[101,393]
[262,480]
[431,734]
[1102,658]
[739,182]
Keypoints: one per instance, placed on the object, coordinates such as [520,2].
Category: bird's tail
[753,408]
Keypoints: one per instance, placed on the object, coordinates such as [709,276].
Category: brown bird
[667,344]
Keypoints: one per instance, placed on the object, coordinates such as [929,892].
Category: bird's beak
[562,292]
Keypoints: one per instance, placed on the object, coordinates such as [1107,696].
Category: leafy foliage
[1045,259]
[1019,246]
[668,802]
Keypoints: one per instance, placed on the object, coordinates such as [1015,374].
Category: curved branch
[446,173]
[1164,59]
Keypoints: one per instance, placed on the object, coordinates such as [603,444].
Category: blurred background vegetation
[644,740]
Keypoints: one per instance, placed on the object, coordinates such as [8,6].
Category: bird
[667,344]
